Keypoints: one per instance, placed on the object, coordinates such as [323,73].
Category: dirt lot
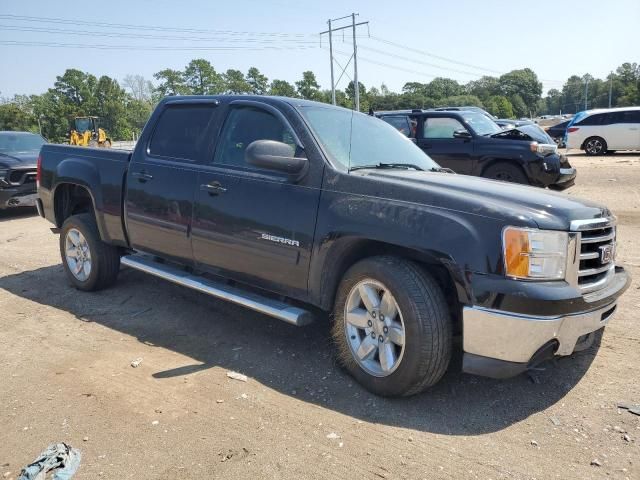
[66,376]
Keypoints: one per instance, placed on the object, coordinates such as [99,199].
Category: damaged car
[18,159]
[470,143]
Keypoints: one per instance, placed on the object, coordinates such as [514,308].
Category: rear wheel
[106,144]
[506,172]
[595,146]
[392,326]
[90,264]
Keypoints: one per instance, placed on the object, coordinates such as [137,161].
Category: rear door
[437,140]
[162,179]
[250,224]
[623,130]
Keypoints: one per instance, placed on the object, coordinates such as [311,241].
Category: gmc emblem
[606,253]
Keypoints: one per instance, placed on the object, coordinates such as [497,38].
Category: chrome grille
[18,177]
[596,262]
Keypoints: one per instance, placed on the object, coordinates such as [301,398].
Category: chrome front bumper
[512,337]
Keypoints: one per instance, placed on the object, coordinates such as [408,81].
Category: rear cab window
[183,133]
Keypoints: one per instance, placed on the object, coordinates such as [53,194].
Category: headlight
[543,148]
[535,254]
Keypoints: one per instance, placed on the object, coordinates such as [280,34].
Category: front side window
[352,139]
[400,123]
[245,125]
[441,127]
[183,133]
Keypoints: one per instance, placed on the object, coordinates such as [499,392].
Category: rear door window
[595,119]
[183,133]
[400,123]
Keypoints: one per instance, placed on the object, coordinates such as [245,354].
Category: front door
[250,224]
[162,179]
[437,140]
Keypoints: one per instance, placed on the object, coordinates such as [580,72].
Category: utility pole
[610,87]
[586,92]
[353,57]
[356,85]
[333,83]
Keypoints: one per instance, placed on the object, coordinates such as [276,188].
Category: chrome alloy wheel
[374,328]
[77,254]
[594,146]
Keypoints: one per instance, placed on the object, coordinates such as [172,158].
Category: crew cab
[471,143]
[293,208]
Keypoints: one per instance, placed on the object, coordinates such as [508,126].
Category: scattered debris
[219,401]
[534,443]
[155,422]
[619,429]
[85,439]
[136,363]
[58,456]
[596,463]
[244,396]
[237,376]
[333,436]
[555,421]
[626,438]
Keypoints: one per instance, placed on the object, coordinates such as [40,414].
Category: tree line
[125,106]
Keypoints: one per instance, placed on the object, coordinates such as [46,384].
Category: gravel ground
[66,375]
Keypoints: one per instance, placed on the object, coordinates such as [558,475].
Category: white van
[605,130]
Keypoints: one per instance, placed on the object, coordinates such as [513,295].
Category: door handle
[213,188]
[142,176]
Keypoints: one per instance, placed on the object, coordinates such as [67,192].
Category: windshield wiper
[441,170]
[387,165]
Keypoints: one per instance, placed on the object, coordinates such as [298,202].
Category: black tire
[506,172]
[610,152]
[595,146]
[105,258]
[426,319]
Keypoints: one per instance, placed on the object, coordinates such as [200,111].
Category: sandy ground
[65,375]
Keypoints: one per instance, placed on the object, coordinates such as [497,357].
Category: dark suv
[468,142]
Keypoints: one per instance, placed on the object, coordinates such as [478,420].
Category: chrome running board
[273,308]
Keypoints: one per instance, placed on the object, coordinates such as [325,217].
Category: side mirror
[277,156]
[462,134]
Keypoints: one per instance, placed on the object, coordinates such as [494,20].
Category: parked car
[288,206]
[558,131]
[605,130]
[468,142]
[18,154]
[510,123]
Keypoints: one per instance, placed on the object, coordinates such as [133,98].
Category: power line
[150,37]
[127,26]
[150,48]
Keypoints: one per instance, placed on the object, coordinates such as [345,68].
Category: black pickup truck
[292,208]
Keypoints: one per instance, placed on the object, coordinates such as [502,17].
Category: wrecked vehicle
[18,154]
[291,208]
[470,143]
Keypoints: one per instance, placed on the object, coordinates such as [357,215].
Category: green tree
[523,83]
[282,88]
[258,82]
[171,82]
[443,87]
[483,88]
[235,83]
[499,106]
[308,87]
[202,79]
[15,117]
[520,108]
[138,87]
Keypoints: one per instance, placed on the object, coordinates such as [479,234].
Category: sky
[404,41]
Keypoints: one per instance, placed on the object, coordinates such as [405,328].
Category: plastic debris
[136,363]
[333,436]
[237,376]
[62,458]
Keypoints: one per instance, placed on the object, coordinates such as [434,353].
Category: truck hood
[525,132]
[513,204]
[19,159]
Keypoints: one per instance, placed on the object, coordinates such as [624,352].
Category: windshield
[12,142]
[83,124]
[354,140]
[480,123]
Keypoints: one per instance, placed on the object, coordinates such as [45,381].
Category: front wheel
[392,326]
[90,264]
[506,172]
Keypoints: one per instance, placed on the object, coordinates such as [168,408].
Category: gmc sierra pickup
[291,208]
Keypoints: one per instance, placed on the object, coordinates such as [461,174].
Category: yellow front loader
[87,133]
